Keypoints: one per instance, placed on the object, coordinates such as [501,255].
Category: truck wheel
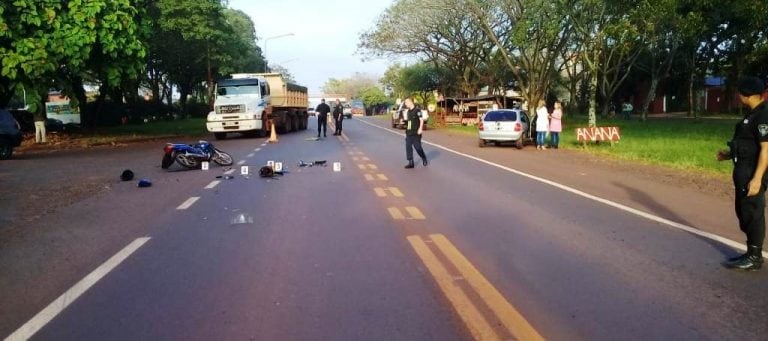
[220,136]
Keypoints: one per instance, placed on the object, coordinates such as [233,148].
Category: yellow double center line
[478,325]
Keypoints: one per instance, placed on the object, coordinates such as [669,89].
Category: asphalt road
[460,249]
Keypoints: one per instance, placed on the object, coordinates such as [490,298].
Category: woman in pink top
[556,124]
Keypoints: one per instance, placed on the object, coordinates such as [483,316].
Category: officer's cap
[750,86]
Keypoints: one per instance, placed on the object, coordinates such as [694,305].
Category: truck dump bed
[285,94]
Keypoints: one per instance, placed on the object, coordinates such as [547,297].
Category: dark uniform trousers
[322,122]
[413,142]
[338,121]
[749,210]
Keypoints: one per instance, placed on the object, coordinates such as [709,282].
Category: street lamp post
[265,47]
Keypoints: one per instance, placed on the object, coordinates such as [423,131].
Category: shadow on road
[657,208]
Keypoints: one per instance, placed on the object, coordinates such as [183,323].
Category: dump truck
[250,103]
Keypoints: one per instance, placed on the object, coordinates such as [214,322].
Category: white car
[503,125]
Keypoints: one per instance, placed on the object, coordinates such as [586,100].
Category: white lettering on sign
[594,134]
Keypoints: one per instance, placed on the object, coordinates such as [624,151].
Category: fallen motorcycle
[193,155]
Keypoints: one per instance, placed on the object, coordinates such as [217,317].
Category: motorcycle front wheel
[187,161]
[222,158]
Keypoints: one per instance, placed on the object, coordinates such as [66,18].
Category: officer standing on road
[413,129]
[322,117]
[338,116]
[749,152]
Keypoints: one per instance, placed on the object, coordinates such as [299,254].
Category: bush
[196,110]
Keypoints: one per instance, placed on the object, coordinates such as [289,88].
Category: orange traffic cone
[273,134]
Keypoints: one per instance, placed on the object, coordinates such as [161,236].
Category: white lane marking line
[229,172]
[57,306]
[241,162]
[263,144]
[213,184]
[187,204]
[251,155]
[686,228]
[257,149]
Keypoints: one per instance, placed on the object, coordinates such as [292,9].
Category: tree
[434,31]
[350,87]
[58,43]
[527,38]
[421,79]
[284,71]
[372,96]
[202,32]
[608,42]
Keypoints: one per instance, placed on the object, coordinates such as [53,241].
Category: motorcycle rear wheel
[187,161]
[221,158]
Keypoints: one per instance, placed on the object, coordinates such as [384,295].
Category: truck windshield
[238,90]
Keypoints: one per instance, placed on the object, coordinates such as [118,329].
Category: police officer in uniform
[749,152]
[338,116]
[322,116]
[413,129]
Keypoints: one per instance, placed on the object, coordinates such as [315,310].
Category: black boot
[424,161]
[410,164]
[752,261]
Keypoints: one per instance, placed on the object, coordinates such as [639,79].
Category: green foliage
[350,87]
[372,96]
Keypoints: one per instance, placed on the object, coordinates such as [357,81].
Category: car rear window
[500,116]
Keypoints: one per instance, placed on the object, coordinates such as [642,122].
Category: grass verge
[121,134]
[679,143]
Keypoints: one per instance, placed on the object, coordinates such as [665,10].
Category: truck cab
[241,105]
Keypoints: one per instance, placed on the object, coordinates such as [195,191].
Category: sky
[325,36]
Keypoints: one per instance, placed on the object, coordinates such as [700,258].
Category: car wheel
[519,143]
[6,149]
[481,143]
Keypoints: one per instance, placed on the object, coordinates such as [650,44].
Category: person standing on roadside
[542,125]
[626,110]
[322,117]
[749,152]
[338,116]
[39,118]
[556,125]
[413,129]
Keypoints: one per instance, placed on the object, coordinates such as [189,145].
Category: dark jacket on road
[323,110]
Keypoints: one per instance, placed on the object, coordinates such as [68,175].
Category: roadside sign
[205,166]
[244,170]
[278,167]
[337,166]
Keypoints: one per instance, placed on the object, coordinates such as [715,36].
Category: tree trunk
[593,99]
[649,98]
[78,90]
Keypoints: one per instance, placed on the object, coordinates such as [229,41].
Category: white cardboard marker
[205,165]
[244,170]
[271,164]
[278,166]
[337,166]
